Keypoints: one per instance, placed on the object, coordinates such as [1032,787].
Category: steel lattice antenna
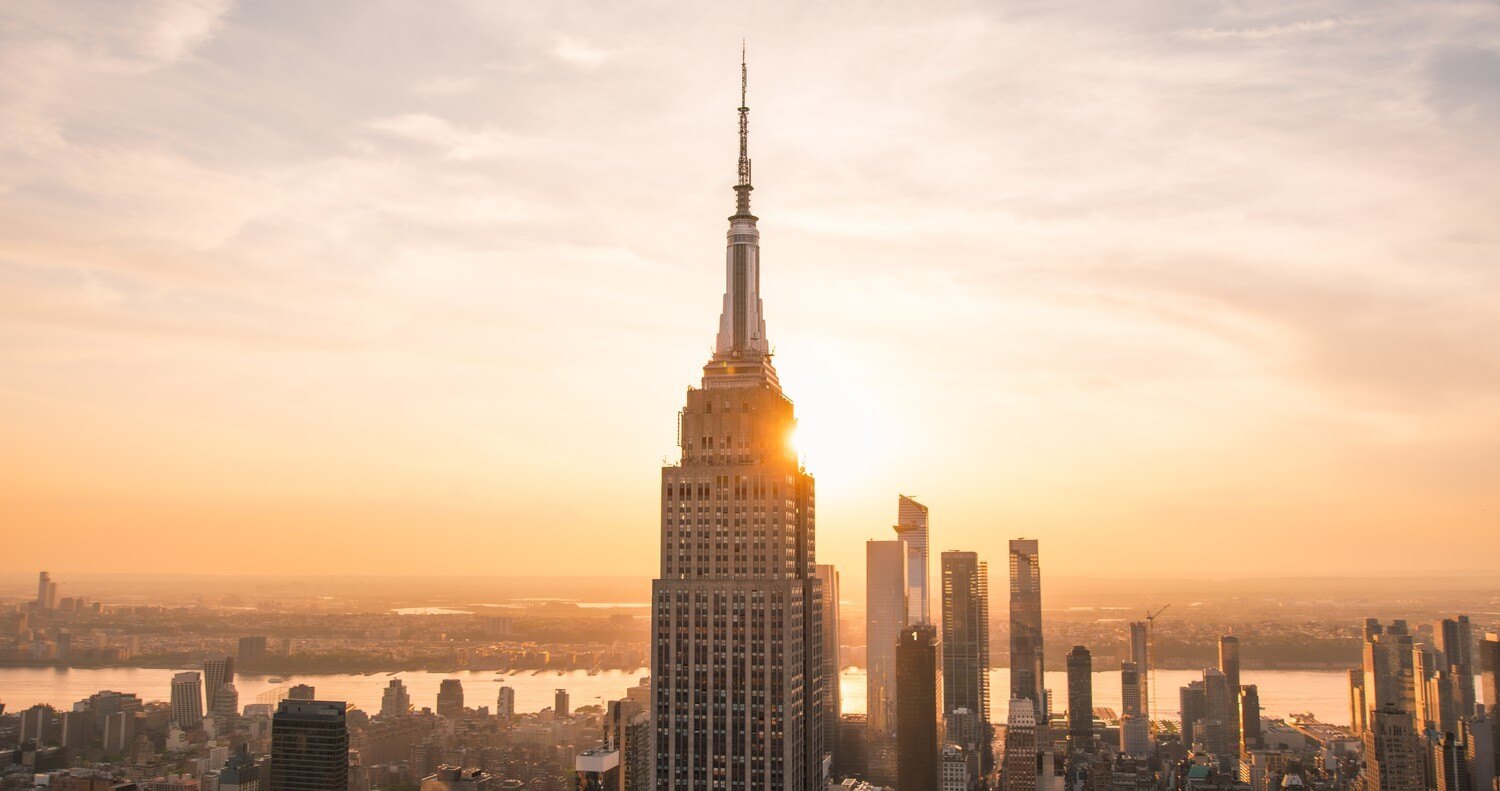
[742,189]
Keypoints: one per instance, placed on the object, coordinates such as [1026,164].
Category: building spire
[742,189]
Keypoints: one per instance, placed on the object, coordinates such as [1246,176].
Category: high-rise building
[828,576]
[1359,707]
[240,772]
[1130,689]
[1489,665]
[1192,706]
[217,672]
[1080,700]
[1214,730]
[1140,654]
[953,769]
[450,698]
[302,692]
[1135,729]
[187,699]
[1229,665]
[627,728]
[919,708]
[560,705]
[885,616]
[119,731]
[44,589]
[1454,639]
[737,664]
[1250,736]
[597,769]
[1479,737]
[966,648]
[1393,755]
[226,702]
[1026,663]
[1390,674]
[911,527]
[309,746]
[505,703]
[395,701]
[1450,764]
[251,648]
[1019,768]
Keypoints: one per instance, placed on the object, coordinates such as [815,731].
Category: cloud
[446,86]
[455,143]
[579,53]
[1260,33]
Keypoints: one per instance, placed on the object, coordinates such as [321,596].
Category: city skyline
[363,318]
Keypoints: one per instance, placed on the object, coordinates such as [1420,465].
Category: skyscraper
[395,701]
[919,708]
[737,667]
[43,588]
[1229,665]
[911,527]
[886,591]
[1359,708]
[251,648]
[226,702]
[1026,664]
[1214,730]
[309,746]
[627,728]
[966,646]
[1394,758]
[1454,638]
[187,699]
[1390,668]
[1140,654]
[1250,737]
[1080,700]
[597,769]
[217,672]
[1135,731]
[1192,705]
[450,698]
[560,705]
[1019,767]
[505,703]
[828,576]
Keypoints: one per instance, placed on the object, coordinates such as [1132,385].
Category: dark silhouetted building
[1080,700]
[309,746]
[450,698]
[919,708]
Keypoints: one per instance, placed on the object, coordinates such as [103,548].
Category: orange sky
[1184,291]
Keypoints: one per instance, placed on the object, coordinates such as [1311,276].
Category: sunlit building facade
[737,667]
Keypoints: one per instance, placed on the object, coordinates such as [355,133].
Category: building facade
[737,666]
[912,527]
[1026,659]
[920,732]
[309,746]
[966,647]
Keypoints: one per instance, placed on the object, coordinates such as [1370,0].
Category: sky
[1186,289]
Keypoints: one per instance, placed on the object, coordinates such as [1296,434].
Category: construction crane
[1151,659]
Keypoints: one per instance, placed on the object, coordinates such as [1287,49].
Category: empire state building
[736,669]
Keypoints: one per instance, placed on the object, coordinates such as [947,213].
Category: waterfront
[1323,693]
[21,687]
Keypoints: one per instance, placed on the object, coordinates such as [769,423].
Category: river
[1321,692]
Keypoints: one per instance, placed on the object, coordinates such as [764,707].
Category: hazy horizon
[417,288]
